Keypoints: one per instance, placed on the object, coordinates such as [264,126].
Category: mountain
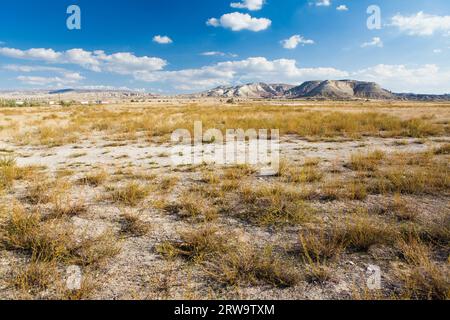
[339,89]
[322,90]
[250,90]
[423,97]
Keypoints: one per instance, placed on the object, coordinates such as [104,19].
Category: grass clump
[95,179]
[53,240]
[10,172]
[133,225]
[366,162]
[35,277]
[424,278]
[229,261]
[64,207]
[244,265]
[130,194]
[360,231]
[320,245]
[193,205]
[196,245]
[412,180]
[238,172]
[273,205]
[307,174]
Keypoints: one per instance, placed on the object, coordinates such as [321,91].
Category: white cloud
[213,53]
[428,78]
[98,60]
[323,3]
[218,53]
[48,55]
[237,21]
[294,41]
[342,7]
[422,24]
[64,77]
[67,79]
[27,69]
[252,5]
[376,42]
[162,39]
[251,69]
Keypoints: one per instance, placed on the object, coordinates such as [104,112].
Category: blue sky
[205,43]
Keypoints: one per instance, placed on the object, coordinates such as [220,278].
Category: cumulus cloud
[64,76]
[342,7]
[98,60]
[162,39]
[421,24]
[251,69]
[376,42]
[252,5]
[428,78]
[237,21]
[68,78]
[294,41]
[48,55]
[323,3]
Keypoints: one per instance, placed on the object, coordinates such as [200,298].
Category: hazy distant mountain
[328,89]
[250,90]
[78,94]
[423,97]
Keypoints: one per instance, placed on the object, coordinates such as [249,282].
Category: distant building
[84,102]
[20,103]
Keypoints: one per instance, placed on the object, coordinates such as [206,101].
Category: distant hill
[250,90]
[328,89]
[341,89]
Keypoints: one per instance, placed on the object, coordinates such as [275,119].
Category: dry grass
[193,205]
[131,124]
[320,245]
[196,246]
[168,183]
[359,231]
[35,277]
[130,194]
[229,261]
[343,190]
[366,162]
[309,173]
[95,179]
[245,265]
[412,180]
[65,207]
[273,205]
[10,172]
[52,240]
[445,149]
[133,225]
[305,199]
[43,191]
[424,278]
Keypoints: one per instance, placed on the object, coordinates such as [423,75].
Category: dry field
[360,185]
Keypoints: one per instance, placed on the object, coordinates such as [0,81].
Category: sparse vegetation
[359,184]
[133,225]
[130,194]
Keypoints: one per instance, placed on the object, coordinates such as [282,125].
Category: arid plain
[362,186]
